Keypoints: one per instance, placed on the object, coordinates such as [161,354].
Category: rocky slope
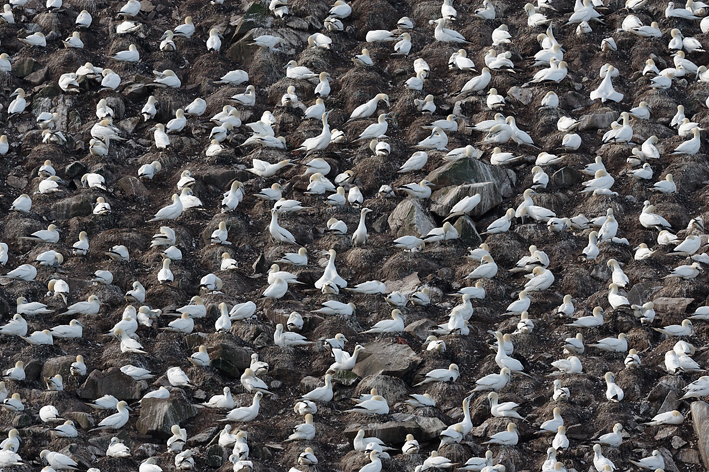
[394,363]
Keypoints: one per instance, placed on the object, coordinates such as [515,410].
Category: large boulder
[58,365]
[158,415]
[394,432]
[386,358]
[469,171]
[445,198]
[410,218]
[111,382]
[229,358]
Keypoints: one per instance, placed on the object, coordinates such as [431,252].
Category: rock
[641,293]
[386,358]
[23,67]
[85,420]
[467,232]
[158,415]
[132,186]
[671,306]
[242,51]
[566,177]
[410,218]
[522,95]
[202,437]
[468,171]
[58,365]
[665,432]
[16,182]
[670,465]
[255,15]
[391,388]
[75,169]
[113,382]
[21,420]
[135,91]
[71,207]
[229,358]
[447,197]
[215,456]
[700,420]
[393,432]
[597,120]
[677,442]
[37,77]
[129,124]
[688,456]
[420,328]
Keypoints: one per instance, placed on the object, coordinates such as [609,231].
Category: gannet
[450,374]
[505,438]
[285,339]
[552,425]
[464,152]
[600,462]
[16,373]
[550,100]
[653,462]
[479,82]
[304,431]
[505,409]
[493,381]
[560,440]
[542,280]
[268,41]
[560,393]
[214,43]
[501,225]
[632,360]
[570,365]
[690,147]
[320,142]
[117,420]
[487,12]
[394,325]
[534,17]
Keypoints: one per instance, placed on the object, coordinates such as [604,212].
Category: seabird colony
[522,237]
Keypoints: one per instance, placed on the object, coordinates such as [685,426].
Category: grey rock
[445,198]
[420,328]
[71,207]
[700,420]
[23,67]
[672,306]
[689,456]
[566,177]
[75,169]
[16,182]
[386,358]
[677,442]
[392,388]
[229,358]
[468,171]
[132,186]
[21,420]
[58,365]
[410,218]
[597,120]
[466,231]
[85,420]
[202,437]
[522,95]
[113,382]
[670,465]
[158,415]
[395,431]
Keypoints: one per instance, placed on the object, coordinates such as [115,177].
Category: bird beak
[13,94]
